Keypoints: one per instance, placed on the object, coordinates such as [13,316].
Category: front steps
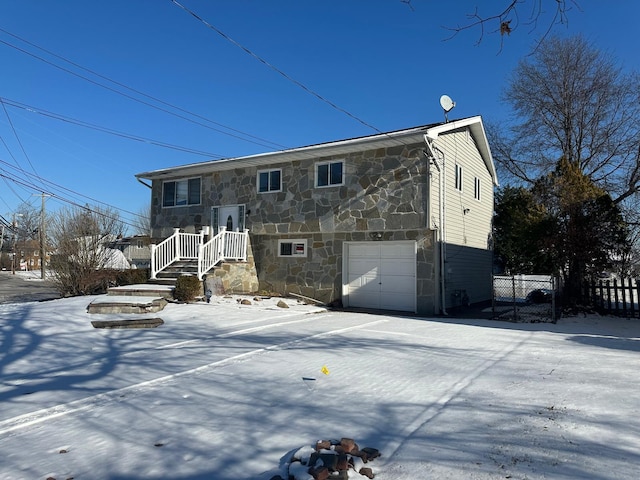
[141,298]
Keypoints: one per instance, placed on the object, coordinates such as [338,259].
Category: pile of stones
[330,460]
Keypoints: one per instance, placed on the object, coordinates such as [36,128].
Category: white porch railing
[191,246]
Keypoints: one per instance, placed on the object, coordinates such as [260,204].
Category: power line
[13,129]
[274,68]
[99,128]
[232,132]
[26,183]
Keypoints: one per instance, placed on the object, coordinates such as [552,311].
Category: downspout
[441,216]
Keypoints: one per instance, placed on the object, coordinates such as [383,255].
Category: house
[28,255]
[398,220]
[136,250]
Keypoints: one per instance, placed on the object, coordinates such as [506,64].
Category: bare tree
[572,101]
[142,221]
[509,19]
[28,220]
[80,237]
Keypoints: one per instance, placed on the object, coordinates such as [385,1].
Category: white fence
[191,246]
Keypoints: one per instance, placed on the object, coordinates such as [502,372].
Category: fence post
[632,302]
[152,247]
[513,292]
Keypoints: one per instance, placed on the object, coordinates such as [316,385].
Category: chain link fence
[526,298]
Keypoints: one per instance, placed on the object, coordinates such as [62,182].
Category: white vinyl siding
[472,229]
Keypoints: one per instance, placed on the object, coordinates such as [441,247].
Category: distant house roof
[340,147]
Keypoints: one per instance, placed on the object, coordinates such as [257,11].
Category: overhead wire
[99,128]
[274,68]
[51,188]
[256,140]
[232,132]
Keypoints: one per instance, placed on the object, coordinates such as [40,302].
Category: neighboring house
[28,255]
[398,220]
[135,249]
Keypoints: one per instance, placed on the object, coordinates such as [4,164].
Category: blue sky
[188,94]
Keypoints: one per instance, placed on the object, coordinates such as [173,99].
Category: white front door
[231,217]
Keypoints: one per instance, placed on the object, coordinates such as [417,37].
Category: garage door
[381,275]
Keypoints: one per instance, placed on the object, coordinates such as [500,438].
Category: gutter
[429,139]
[143,183]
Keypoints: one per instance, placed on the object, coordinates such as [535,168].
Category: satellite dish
[447,105]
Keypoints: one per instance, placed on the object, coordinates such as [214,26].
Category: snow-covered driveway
[225,391]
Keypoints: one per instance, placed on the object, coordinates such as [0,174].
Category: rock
[347,445]
[244,301]
[367,472]
[282,304]
[323,445]
[319,473]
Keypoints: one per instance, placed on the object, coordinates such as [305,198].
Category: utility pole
[43,238]
[15,240]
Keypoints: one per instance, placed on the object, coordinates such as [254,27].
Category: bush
[188,287]
[132,276]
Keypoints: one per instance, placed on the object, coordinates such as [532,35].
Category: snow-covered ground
[226,391]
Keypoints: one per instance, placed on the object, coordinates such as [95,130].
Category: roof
[341,147]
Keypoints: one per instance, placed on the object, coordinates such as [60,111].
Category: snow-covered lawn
[226,391]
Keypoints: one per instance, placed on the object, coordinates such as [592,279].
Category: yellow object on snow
[324,370]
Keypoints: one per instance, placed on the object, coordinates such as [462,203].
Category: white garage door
[381,275]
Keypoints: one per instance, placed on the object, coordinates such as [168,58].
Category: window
[329,174]
[269,181]
[459,177]
[292,248]
[476,188]
[181,192]
[139,244]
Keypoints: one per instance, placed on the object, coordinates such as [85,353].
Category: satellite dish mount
[447,105]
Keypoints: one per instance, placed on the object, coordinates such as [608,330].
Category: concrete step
[127,304]
[143,290]
[128,323]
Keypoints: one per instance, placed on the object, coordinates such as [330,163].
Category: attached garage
[380,275]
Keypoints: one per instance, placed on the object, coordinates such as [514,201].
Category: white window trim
[178,180]
[268,171]
[459,177]
[293,242]
[329,185]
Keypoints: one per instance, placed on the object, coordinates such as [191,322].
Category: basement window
[292,248]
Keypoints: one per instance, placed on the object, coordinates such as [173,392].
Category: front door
[231,217]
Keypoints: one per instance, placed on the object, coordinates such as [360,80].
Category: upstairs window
[329,173]
[181,192]
[269,181]
[476,188]
[458,178]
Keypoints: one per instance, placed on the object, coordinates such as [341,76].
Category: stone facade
[384,194]
[306,208]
